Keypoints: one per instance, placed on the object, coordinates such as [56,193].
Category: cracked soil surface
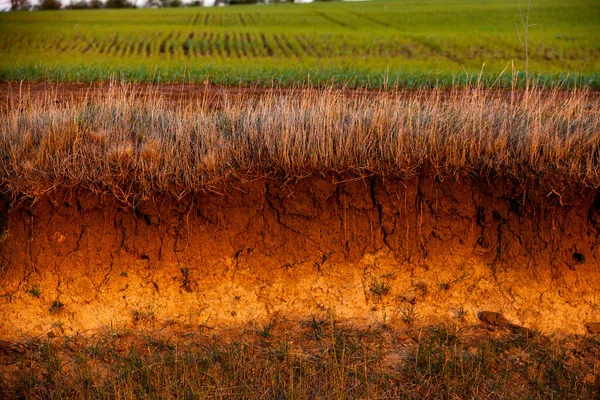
[368,250]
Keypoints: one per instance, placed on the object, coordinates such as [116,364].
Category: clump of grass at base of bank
[134,145]
[440,361]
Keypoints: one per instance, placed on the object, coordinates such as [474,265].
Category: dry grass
[136,146]
[306,360]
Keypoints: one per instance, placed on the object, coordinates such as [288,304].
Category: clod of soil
[492,318]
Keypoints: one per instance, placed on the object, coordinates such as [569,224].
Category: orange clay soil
[367,250]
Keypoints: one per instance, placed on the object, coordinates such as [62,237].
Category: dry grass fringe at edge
[135,147]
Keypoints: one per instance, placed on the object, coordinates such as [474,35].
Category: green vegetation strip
[373,44]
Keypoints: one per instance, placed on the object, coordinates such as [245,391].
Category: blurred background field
[367,44]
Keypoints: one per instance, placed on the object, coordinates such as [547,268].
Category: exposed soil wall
[368,250]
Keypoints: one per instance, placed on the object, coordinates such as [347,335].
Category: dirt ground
[398,252]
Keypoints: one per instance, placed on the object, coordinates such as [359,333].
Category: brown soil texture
[366,250]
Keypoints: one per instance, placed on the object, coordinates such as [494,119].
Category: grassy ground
[134,146]
[317,358]
[412,44]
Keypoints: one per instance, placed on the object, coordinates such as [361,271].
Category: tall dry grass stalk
[136,146]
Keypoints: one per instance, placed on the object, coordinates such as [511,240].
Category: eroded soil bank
[368,251]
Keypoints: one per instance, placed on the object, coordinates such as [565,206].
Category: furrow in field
[173,47]
[193,49]
[436,49]
[290,45]
[187,45]
[312,49]
[217,44]
[210,45]
[243,44]
[251,20]
[140,48]
[266,45]
[331,19]
[281,47]
[112,44]
[308,46]
[371,19]
[204,44]
[238,41]
[75,42]
[88,47]
[207,46]
[232,44]
[124,47]
[163,45]
[303,46]
[226,45]
[251,45]
[195,46]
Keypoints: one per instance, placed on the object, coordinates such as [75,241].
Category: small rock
[593,327]
[492,318]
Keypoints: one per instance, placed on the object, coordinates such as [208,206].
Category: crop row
[349,20]
[237,44]
[225,20]
[242,44]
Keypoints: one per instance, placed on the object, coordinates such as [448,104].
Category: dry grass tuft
[136,146]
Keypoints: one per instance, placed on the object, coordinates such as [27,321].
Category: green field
[368,44]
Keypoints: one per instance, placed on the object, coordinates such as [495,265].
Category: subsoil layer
[369,251]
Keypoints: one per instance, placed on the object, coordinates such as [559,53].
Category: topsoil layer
[366,250]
